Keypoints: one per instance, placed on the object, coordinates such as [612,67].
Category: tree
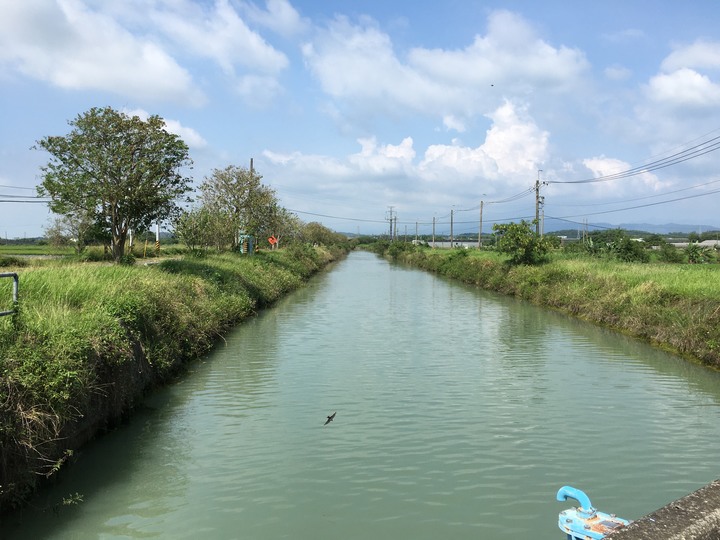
[521,243]
[237,194]
[124,170]
[194,228]
[71,229]
[316,233]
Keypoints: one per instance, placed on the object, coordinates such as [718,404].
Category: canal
[460,413]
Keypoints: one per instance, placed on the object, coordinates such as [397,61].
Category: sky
[357,111]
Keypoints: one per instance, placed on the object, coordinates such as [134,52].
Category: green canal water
[459,415]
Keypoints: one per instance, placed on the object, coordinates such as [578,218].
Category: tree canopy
[236,196]
[521,243]
[124,172]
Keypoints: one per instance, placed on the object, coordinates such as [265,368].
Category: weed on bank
[88,339]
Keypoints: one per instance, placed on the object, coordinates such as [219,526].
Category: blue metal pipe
[568,492]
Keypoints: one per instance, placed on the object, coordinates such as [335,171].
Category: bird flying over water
[330,418]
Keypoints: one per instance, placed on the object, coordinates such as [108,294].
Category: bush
[521,244]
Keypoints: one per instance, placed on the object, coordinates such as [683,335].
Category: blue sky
[352,108]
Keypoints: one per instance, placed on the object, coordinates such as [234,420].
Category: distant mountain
[669,228]
[552,225]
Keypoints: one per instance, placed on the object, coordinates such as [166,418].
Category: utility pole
[416,233]
[433,232]
[537,203]
[390,219]
[480,229]
[452,210]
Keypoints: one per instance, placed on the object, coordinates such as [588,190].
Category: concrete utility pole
[537,204]
[452,210]
[433,232]
[480,229]
[390,219]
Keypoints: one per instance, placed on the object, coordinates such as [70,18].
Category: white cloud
[452,122]
[317,166]
[683,99]
[509,156]
[699,55]
[604,166]
[682,84]
[379,160]
[510,55]
[280,17]
[357,62]
[73,47]
[219,34]
[684,87]
[513,148]
[258,90]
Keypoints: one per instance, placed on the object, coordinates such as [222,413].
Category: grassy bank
[90,339]
[673,306]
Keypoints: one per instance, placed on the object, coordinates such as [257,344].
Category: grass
[672,306]
[34,249]
[89,339]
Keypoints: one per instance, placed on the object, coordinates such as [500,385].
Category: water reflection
[455,408]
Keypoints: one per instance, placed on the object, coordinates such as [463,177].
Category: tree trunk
[118,246]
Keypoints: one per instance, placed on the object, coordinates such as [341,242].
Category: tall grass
[673,306]
[90,338]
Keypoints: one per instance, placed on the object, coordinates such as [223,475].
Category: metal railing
[16,287]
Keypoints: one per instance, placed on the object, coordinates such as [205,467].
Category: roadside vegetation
[94,329]
[659,293]
[90,339]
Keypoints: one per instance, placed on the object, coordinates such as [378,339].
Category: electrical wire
[17,187]
[646,205]
[15,201]
[697,150]
[336,217]
[643,198]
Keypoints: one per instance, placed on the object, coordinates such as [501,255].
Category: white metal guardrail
[16,287]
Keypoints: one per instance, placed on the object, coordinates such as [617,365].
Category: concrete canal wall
[694,517]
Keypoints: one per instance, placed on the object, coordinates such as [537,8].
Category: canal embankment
[674,307]
[89,340]
[693,517]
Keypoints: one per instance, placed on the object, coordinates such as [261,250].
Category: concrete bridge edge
[693,517]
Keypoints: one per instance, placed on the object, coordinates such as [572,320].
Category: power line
[17,187]
[646,197]
[648,204]
[14,201]
[23,196]
[336,217]
[697,150]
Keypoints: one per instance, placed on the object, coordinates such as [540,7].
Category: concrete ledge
[694,517]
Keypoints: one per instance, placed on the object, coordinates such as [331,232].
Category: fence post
[16,288]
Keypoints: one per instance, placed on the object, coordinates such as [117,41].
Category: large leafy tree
[125,171]
[238,195]
[521,243]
